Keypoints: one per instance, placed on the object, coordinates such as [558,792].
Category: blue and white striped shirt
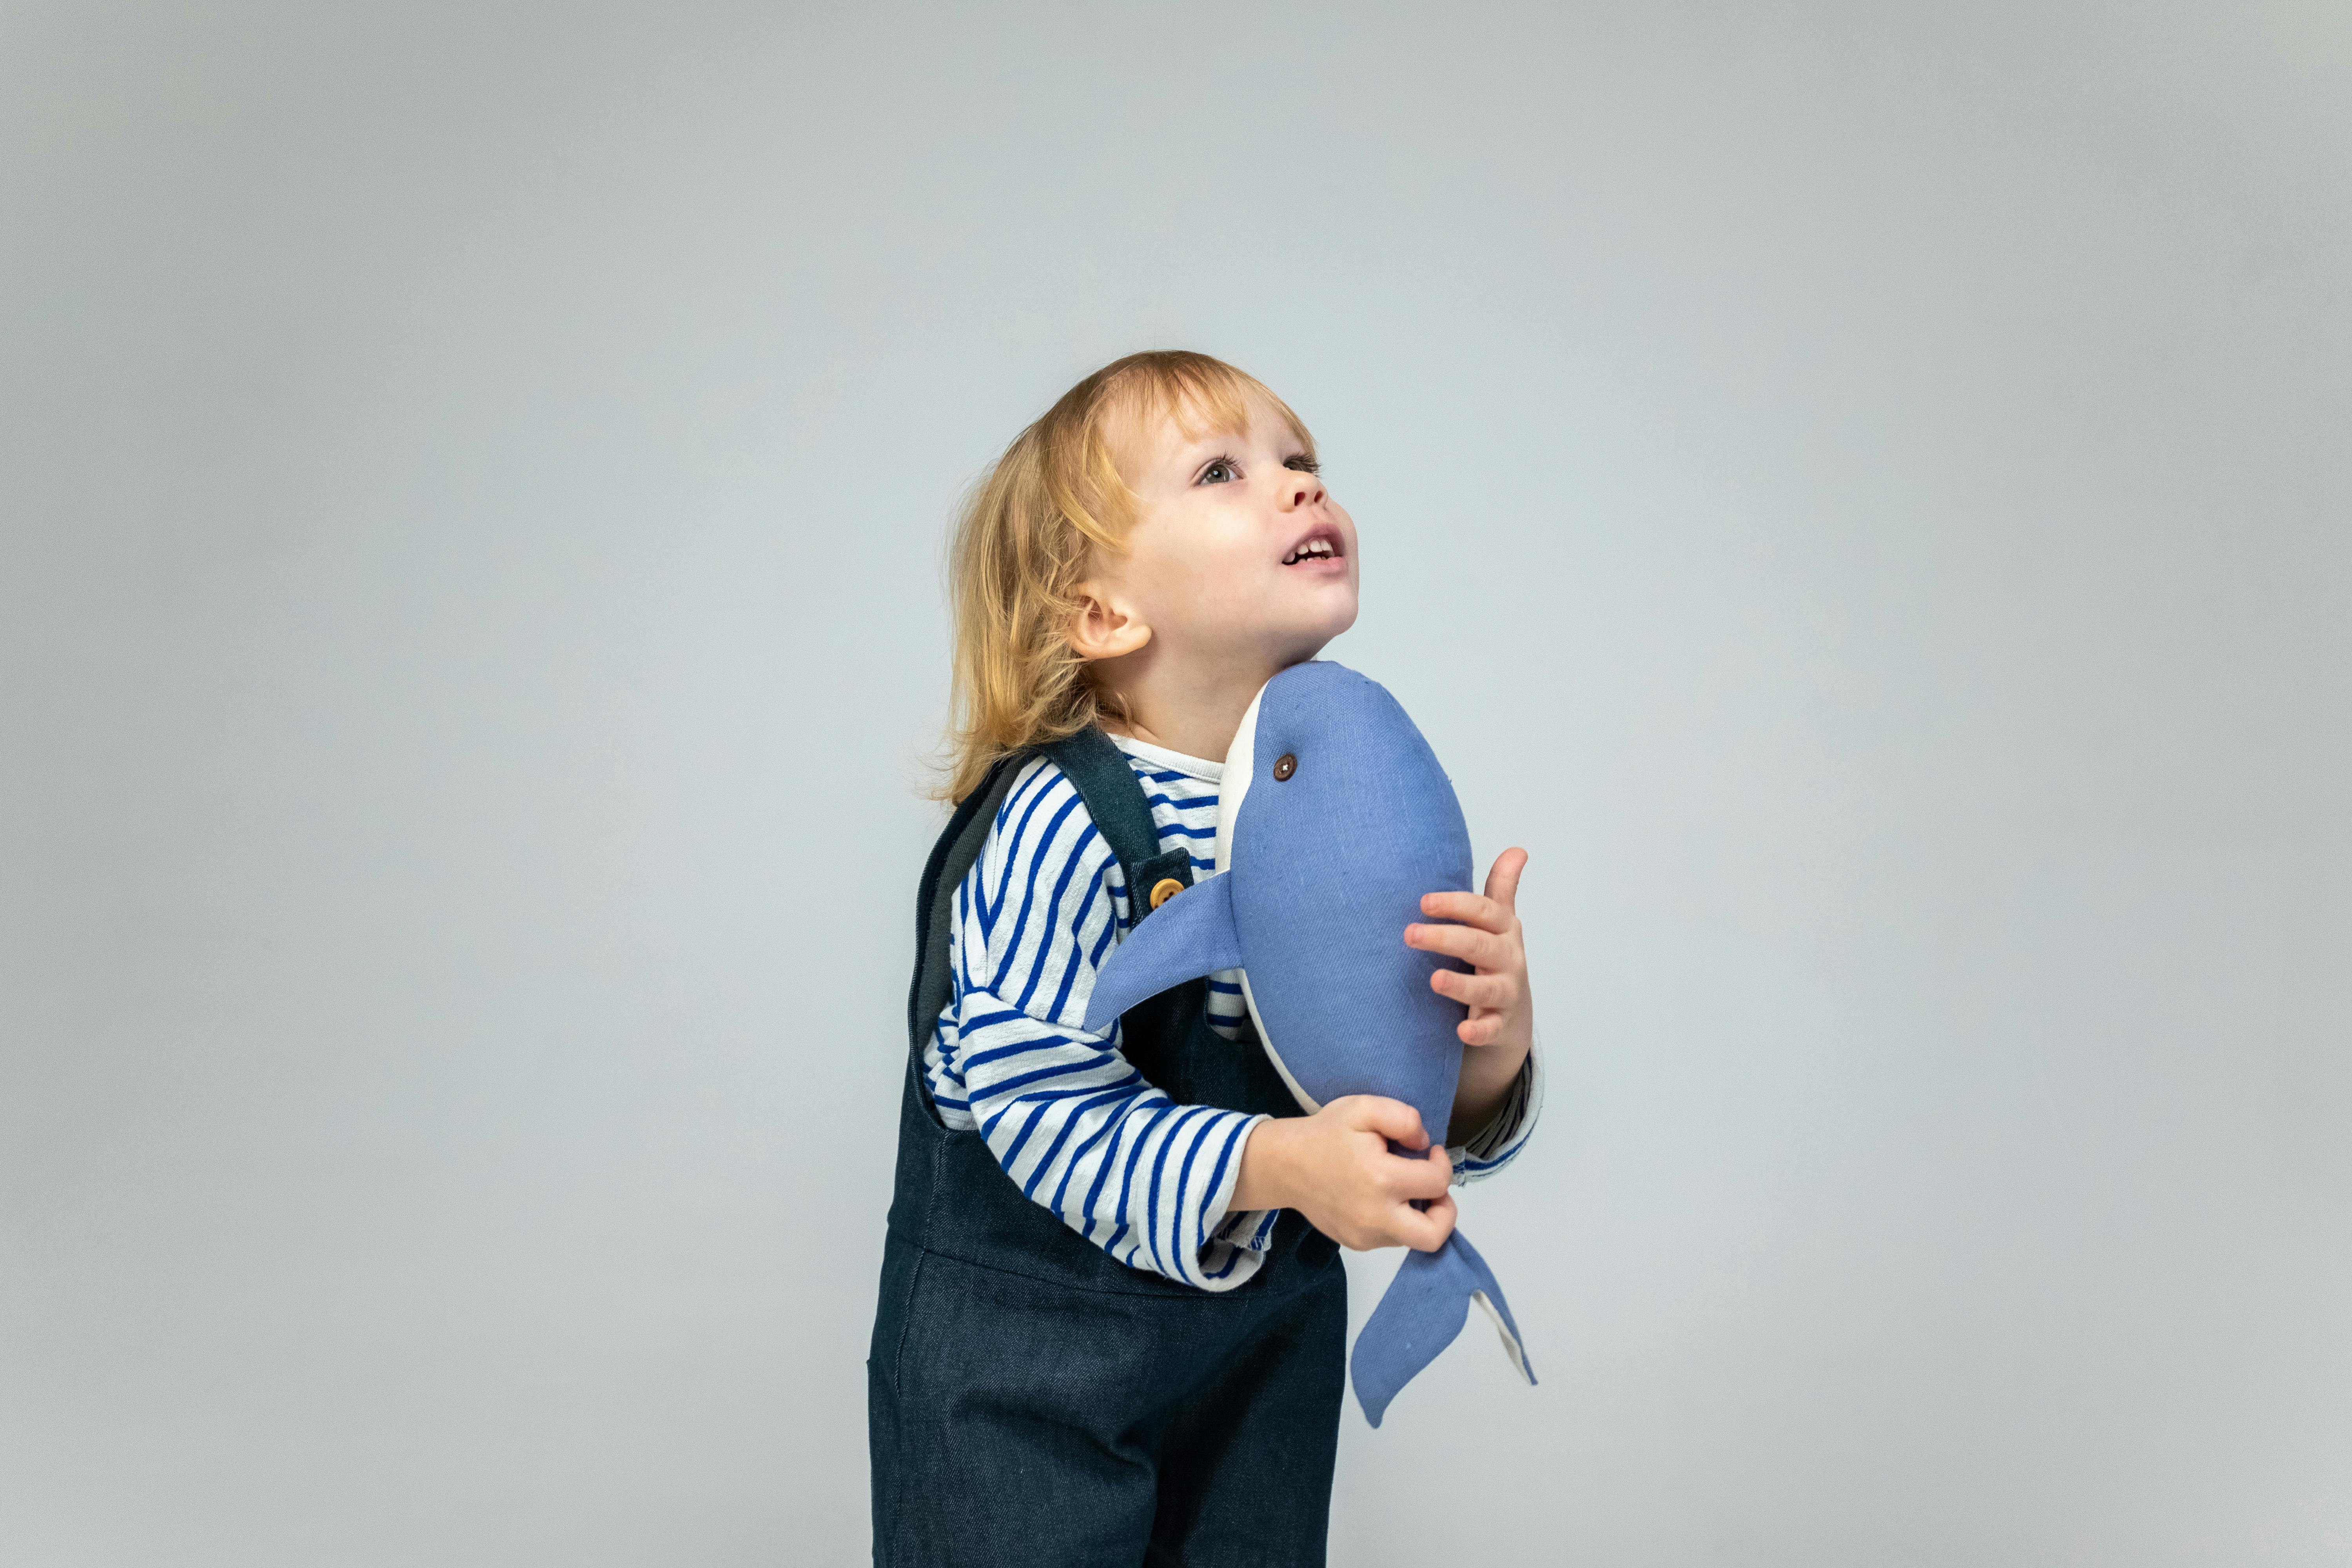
[1149,1181]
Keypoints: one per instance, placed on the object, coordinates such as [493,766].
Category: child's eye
[1303,464]
[1221,472]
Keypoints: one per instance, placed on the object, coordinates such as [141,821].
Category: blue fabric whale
[1334,818]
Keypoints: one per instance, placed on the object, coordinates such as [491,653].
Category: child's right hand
[1335,1168]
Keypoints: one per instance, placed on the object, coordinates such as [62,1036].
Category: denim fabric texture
[1031,1400]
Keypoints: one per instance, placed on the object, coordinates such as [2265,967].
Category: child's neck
[1192,711]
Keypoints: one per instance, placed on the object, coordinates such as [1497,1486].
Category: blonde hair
[1028,534]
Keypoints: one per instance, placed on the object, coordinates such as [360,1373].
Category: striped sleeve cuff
[1498,1143]
[1219,1249]
[1252,1228]
[1249,1228]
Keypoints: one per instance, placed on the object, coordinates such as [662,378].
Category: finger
[1483,1030]
[1485,948]
[1425,1230]
[1503,881]
[1470,908]
[1392,1119]
[1424,1178]
[1500,992]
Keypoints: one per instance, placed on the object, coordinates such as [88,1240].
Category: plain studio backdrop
[1861,492]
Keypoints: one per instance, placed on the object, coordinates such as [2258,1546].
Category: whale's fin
[1189,935]
[1425,1307]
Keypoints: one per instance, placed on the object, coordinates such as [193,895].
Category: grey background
[1861,492]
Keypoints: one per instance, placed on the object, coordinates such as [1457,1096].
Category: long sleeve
[1069,1120]
[1498,1143]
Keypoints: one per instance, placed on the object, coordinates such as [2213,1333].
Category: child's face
[1237,552]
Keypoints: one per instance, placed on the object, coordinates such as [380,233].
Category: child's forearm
[1268,1178]
[1487,1074]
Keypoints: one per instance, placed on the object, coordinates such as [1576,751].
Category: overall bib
[1029,1400]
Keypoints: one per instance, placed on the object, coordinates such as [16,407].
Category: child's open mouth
[1322,545]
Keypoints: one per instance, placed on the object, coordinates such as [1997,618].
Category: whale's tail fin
[1424,1308]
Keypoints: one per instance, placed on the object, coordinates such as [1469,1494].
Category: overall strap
[952,856]
[1157,1035]
[1114,797]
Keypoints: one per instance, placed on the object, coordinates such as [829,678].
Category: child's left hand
[1501,1024]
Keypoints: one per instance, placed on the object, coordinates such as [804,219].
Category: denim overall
[1029,1398]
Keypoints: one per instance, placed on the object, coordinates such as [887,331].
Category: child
[1112,1312]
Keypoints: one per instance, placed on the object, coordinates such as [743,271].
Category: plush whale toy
[1333,820]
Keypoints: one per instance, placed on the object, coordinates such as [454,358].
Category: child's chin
[1324,622]
[1306,616]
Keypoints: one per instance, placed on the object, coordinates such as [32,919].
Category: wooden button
[1284,766]
[1164,889]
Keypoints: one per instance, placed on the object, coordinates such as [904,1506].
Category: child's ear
[1106,626]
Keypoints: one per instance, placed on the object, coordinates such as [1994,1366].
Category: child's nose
[1300,489]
